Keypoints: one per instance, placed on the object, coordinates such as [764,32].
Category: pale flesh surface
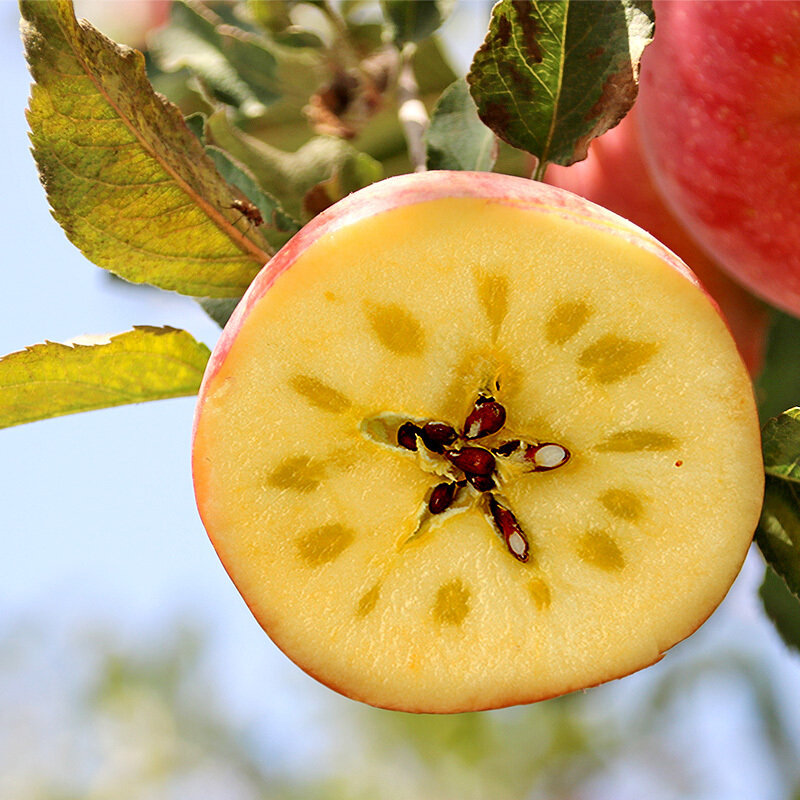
[588,341]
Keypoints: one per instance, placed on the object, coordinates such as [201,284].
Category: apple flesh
[614,175]
[719,109]
[559,372]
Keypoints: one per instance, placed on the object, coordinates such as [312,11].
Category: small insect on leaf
[249,211]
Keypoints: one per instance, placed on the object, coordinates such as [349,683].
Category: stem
[412,113]
[541,168]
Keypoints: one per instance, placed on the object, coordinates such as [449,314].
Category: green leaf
[551,76]
[782,607]
[219,308]
[413,22]
[456,138]
[778,385]
[251,72]
[236,66]
[778,532]
[196,123]
[52,379]
[350,175]
[126,178]
[280,226]
[781,445]
[289,177]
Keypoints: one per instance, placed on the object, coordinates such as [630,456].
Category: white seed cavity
[549,456]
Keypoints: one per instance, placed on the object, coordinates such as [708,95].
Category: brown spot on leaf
[530,29]
[503,31]
[496,116]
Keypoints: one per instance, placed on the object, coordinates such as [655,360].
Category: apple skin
[615,176]
[719,110]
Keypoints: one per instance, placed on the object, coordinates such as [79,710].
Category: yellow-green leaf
[52,379]
[127,180]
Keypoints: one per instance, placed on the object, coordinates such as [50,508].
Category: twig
[411,111]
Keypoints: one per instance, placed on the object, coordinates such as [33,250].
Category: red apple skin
[615,176]
[719,109]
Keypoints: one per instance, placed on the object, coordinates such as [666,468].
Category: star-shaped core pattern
[457,455]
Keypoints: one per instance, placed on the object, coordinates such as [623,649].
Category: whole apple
[615,176]
[719,109]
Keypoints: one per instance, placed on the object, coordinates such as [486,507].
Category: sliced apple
[470,441]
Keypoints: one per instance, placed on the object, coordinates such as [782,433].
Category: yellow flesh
[597,345]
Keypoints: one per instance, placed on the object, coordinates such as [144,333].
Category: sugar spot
[319,394]
[297,472]
[452,603]
[368,600]
[566,320]
[633,441]
[540,593]
[324,544]
[493,296]
[622,503]
[396,328]
[612,358]
[600,550]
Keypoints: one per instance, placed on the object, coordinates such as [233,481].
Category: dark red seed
[437,435]
[507,448]
[441,497]
[407,435]
[472,460]
[513,535]
[483,483]
[486,417]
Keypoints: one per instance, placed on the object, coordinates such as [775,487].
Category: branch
[411,111]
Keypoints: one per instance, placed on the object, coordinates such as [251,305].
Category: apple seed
[441,497]
[510,530]
[486,417]
[407,435]
[472,460]
[437,435]
[483,483]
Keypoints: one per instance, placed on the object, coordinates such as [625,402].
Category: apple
[615,176]
[470,441]
[719,110]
